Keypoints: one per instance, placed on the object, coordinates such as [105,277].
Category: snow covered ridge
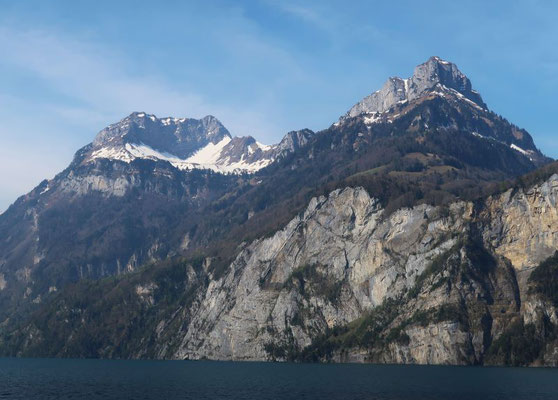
[188,144]
[208,157]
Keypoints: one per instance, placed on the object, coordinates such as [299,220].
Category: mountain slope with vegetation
[344,281]
[327,253]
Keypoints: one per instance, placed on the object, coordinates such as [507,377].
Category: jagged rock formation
[431,75]
[179,136]
[293,141]
[439,78]
[187,143]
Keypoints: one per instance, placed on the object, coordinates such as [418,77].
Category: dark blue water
[100,379]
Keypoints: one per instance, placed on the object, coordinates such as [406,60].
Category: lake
[107,379]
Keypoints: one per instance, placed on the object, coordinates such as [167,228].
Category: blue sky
[69,68]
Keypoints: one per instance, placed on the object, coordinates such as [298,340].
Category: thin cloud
[97,81]
[307,14]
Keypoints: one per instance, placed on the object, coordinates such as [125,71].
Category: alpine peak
[435,73]
[187,143]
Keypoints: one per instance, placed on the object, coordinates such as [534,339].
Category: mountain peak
[433,74]
[187,143]
[180,136]
[437,71]
[436,59]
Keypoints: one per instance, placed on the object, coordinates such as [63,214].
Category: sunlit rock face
[343,258]
[434,74]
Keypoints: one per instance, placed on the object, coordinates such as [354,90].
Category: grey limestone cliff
[344,258]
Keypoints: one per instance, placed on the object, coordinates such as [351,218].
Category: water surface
[107,379]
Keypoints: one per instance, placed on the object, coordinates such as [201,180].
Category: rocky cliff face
[328,266]
[468,283]
[450,281]
[523,225]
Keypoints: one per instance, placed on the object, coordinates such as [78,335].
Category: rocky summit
[186,143]
[433,75]
[421,227]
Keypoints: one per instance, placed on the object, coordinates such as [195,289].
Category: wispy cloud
[308,14]
[98,82]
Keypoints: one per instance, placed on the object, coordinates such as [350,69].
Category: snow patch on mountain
[188,143]
[527,153]
[208,157]
[517,148]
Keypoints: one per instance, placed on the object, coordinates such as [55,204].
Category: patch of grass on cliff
[363,332]
[372,331]
[437,265]
[544,279]
[311,281]
[446,312]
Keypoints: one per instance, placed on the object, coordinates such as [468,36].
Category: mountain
[123,201]
[439,78]
[435,75]
[467,283]
[170,238]
[434,149]
[186,143]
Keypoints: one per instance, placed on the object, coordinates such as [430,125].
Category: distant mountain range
[407,231]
